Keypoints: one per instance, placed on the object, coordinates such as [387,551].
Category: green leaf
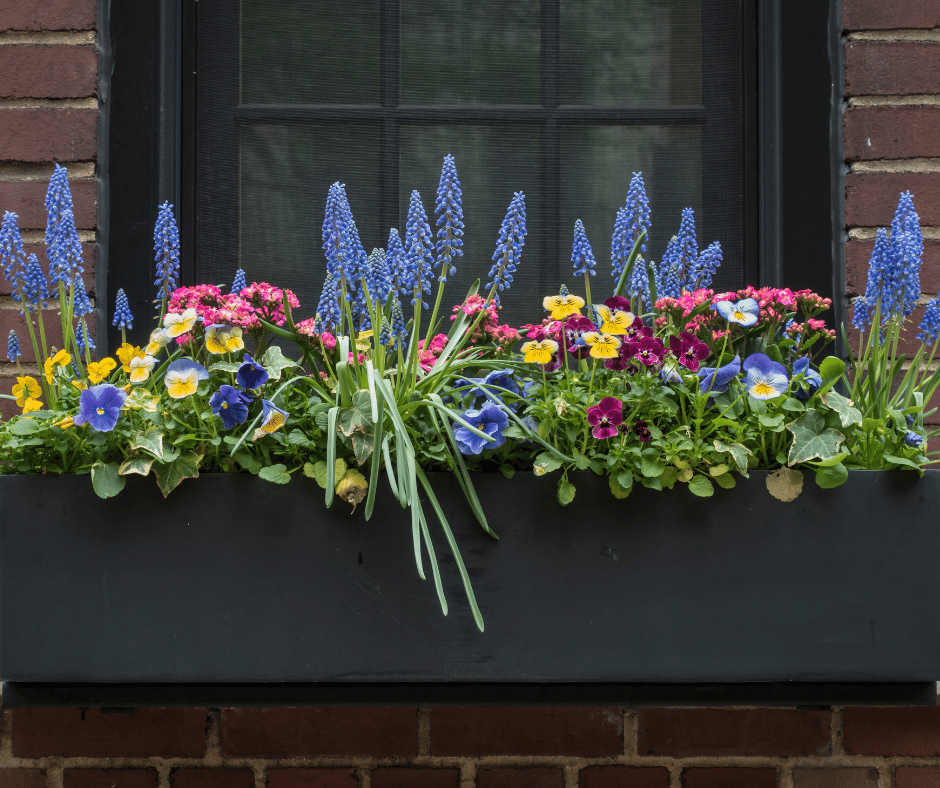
[669,476]
[139,465]
[581,462]
[546,462]
[507,470]
[358,417]
[832,476]
[275,473]
[625,479]
[106,479]
[225,366]
[812,440]
[726,480]
[310,471]
[651,466]
[771,421]
[298,438]
[831,368]
[275,362]
[701,486]
[793,404]
[848,414]
[248,461]
[901,461]
[363,444]
[617,489]
[738,452]
[151,440]
[24,426]
[170,474]
[832,460]
[566,492]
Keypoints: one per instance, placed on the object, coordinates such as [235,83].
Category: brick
[768,732]
[520,778]
[623,777]
[27,199]
[729,778]
[312,778]
[891,68]
[62,71]
[891,132]
[858,777]
[46,134]
[526,731]
[871,199]
[415,778]
[879,15]
[109,778]
[48,14]
[858,253]
[91,733]
[22,778]
[872,730]
[917,777]
[377,732]
[11,319]
[212,778]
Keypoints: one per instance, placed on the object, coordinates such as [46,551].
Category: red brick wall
[48,112]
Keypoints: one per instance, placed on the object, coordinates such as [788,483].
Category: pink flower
[606,417]
[688,350]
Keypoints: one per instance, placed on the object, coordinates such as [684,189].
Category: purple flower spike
[606,417]
[489,419]
[100,406]
[251,374]
[716,380]
[766,379]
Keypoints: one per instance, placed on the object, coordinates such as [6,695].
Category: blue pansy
[746,311]
[716,380]
[766,378]
[100,406]
[491,420]
[230,405]
[914,439]
[251,374]
[811,379]
[501,378]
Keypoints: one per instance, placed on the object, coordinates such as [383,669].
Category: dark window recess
[561,99]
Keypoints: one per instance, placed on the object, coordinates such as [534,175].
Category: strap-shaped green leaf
[331,417]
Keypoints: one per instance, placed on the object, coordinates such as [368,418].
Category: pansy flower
[618,302]
[913,439]
[272,417]
[563,305]
[810,382]
[649,350]
[602,345]
[500,378]
[605,418]
[125,353]
[688,350]
[27,393]
[230,405]
[176,325]
[158,340]
[141,367]
[539,351]
[251,374]
[642,431]
[669,372]
[766,378]
[100,407]
[60,359]
[99,370]
[491,420]
[575,326]
[183,376]
[221,338]
[715,380]
[614,321]
[746,311]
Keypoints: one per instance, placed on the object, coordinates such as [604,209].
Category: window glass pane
[645,52]
[310,52]
[492,162]
[286,172]
[470,52]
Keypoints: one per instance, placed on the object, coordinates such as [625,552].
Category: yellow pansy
[176,325]
[224,339]
[81,385]
[602,345]
[31,404]
[60,359]
[563,305]
[99,370]
[141,367]
[539,352]
[125,353]
[615,321]
[26,389]
[158,340]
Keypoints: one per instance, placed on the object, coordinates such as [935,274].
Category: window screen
[561,99]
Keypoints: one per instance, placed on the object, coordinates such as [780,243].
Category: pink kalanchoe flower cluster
[427,358]
[207,300]
[811,331]
[489,329]
[258,300]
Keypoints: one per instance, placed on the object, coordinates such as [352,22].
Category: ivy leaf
[812,440]
[150,441]
[738,452]
[566,492]
[357,418]
[275,473]
[141,399]
[139,465]
[225,366]
[701,486]
[275,362]
[831,476]
[106,480]
[170,474]
[362,445]
[848,414]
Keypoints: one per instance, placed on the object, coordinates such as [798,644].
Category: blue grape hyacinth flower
[418,257]
[166,244]
[123,318]
[238,283]
[63,247]
[930,323]
[13,347]
[582,255]
[449,207]
[509,245]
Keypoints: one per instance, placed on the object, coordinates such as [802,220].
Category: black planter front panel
[233,579]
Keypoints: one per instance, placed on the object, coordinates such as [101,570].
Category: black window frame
[794,171]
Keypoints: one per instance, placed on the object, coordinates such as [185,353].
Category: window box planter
[235,580]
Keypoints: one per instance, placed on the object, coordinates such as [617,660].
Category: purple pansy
[606,417]
[810,382]
[100,407]
[491,420]
[716,380]
[251,374]
[230,405]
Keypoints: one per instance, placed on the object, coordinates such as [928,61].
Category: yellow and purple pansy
[766,378]
[602,344]
[221,338]
[614,321]
[141,367]
[563,305]
[158,341]
[539,351]
[272,417]
[183,376]
[175,325]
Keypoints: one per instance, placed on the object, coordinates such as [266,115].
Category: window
[561,99]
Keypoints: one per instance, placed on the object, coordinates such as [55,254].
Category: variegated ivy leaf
[738,452]
[150,441]
[170,474]
[811,438]
[106,480]
[357,418]
[275,362]
[139,465]
[848,414]
[141,399]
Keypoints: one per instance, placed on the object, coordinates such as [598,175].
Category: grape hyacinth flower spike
[583,257]
[418,257]
[239,283]
[166,244]
[13,348]
[123,319]
[63,247]
[632,220]
[508,248]
[449,207]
